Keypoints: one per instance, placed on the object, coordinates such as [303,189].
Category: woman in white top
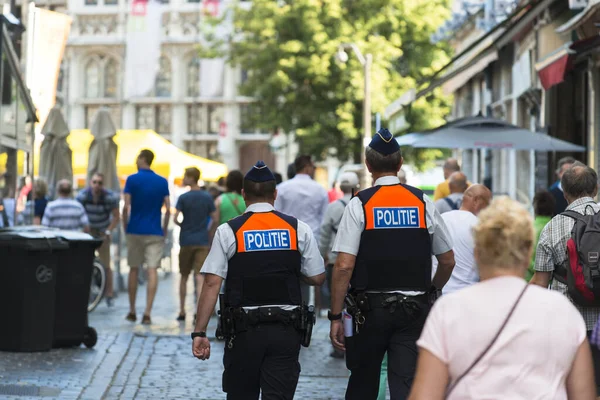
[541,353]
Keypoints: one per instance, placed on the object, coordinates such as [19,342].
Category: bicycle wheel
[98,285]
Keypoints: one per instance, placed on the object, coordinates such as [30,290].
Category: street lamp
[366,62]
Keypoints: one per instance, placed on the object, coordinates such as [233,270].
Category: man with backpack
[458,184]
[333,215]
[569,246]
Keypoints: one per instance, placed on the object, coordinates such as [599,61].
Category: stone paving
[133,361]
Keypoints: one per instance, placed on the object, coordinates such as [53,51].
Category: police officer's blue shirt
[224,247]
[148,191]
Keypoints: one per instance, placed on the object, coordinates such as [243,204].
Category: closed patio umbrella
[103,150]
[55,153]
[488,133]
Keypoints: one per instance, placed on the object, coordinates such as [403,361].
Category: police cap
[260,173]
[384,143]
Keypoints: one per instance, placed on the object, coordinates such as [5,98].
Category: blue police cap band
[260,173]
[384,143]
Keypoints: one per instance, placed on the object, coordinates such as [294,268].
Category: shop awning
[476,57]
[581,18]
[463,77]
[553,68]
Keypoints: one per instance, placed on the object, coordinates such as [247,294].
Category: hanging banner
[48,33]
[142,54]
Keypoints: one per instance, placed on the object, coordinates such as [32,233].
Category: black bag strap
[345,204]
[451,203]
[573,214]
[487,349]
[237,209]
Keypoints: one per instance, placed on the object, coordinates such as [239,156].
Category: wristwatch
[333,317]
[198,334]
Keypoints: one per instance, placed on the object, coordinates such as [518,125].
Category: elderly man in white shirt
[460,225]
[304,199]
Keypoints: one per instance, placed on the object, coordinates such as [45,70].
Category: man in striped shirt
[65,212]
[102,208]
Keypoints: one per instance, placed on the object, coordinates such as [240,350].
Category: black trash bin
[74,277]
[28,276]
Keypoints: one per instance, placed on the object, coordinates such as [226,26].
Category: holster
[226,327]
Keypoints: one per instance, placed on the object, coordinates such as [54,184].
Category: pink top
[532,357]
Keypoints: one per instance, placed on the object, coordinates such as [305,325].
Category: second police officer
[262,255]
[384,243]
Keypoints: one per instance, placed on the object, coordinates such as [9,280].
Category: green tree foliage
[289,47]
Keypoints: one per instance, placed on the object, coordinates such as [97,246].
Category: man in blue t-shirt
[145,195]
[198,209]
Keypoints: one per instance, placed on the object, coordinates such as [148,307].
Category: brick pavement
[132,361]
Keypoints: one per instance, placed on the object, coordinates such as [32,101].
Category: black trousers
[383,331]
[263,358]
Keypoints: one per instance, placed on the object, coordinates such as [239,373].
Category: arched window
[101,77]
[111,72]
[163,79]
[193,77]
[92,78]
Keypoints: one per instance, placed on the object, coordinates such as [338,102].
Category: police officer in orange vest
[262,255]
[382,274]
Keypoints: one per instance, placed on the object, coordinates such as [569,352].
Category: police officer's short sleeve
[312,262]
[350,228]
[221,251]
[441,242]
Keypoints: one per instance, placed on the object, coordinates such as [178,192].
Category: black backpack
[581,271]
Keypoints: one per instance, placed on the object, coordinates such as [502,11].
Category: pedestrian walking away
[560,203]
[65,212]
[197,208]
[303,198]
[261,255]
[460,224]
[457,184]
[231,203]
[102,208]
[552,260]
[145,194]
[543,209]
[384,244]
[443,189]
[502,338]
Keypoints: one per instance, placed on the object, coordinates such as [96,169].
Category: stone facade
[217,128]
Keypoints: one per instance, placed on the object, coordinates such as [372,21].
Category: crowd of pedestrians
[495,332]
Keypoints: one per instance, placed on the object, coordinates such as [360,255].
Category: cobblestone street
[132,361]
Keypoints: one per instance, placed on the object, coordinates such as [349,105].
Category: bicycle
[98,285]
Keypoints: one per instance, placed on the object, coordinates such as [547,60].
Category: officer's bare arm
[342,272]
[316,280]
[208,299]
[444,270]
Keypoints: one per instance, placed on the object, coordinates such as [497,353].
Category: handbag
[489,346]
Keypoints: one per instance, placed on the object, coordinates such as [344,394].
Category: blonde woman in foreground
[535,338]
